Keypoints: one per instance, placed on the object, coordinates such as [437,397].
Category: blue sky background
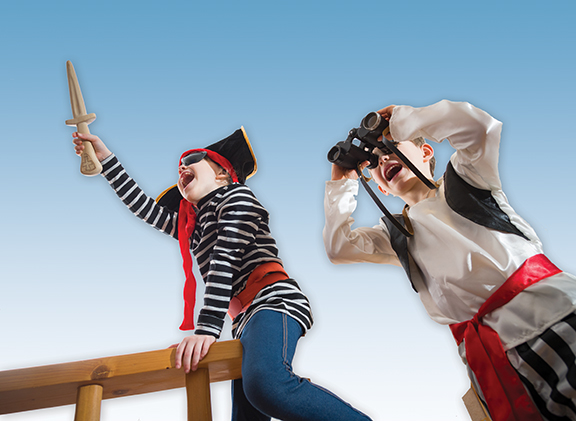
[81,278]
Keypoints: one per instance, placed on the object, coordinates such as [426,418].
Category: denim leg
[242,409]
[271,389]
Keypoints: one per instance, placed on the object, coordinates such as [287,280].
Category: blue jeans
[269,388]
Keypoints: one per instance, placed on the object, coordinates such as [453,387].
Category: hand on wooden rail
[191,351]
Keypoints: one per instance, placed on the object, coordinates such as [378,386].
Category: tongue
[393,171]
[187,180]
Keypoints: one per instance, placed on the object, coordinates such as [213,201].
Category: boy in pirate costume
[213,213]
[476,264]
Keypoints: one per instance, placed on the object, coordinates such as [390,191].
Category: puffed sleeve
[473,133]
[344,244]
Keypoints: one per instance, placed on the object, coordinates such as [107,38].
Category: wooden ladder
[86,383]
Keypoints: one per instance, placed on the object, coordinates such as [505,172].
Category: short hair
[419,141]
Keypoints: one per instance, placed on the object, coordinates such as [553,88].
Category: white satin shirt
[461,263]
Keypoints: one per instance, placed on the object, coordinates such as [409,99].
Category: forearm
[210,321]
[141,205]
[460,122]
[344,244]
[218,292]
[472,132]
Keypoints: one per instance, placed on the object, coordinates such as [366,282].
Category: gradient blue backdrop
[82,278]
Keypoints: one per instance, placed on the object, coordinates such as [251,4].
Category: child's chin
[189,197]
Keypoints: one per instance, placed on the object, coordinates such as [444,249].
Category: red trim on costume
[186,225]
[503,390]
[264,275]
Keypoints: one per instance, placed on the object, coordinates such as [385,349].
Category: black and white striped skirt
[547,366]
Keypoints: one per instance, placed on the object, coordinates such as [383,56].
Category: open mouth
[186,178]
[392,170]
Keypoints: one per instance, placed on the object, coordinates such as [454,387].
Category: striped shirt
[230,240]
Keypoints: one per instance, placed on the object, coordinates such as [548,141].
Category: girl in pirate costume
[213,213]
[475,263]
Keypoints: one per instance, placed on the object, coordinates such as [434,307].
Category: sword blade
[76,99]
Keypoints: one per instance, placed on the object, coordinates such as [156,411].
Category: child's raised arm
[340,173]
[344,244]
[472,132]
[102,152]
[140,204]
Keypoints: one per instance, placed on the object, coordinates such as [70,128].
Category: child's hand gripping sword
[89,164]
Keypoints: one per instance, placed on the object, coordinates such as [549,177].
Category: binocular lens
[371,121]
[334,154]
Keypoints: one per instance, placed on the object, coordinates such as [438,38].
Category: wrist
[200,331]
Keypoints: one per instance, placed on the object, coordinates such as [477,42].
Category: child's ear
[222,176]
[383,191]
[428,152]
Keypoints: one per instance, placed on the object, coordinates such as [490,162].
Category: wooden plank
[125,375]
[474,406]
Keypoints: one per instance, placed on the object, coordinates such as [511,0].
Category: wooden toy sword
[89,164]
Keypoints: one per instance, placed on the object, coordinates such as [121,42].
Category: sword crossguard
[86,119]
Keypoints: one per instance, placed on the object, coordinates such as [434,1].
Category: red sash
[503,390]
[264,275]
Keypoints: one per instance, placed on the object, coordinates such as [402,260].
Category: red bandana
[186,225]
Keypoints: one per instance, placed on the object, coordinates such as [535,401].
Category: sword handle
[89,164]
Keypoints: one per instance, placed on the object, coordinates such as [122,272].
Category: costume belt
[264,275]
[503,390]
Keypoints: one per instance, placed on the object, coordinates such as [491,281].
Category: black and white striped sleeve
[238,217]
[141,205]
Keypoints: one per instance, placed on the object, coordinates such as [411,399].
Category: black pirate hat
[238,160]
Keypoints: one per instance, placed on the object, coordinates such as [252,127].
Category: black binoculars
[348,155]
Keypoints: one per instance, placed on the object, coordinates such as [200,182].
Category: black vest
[476,205]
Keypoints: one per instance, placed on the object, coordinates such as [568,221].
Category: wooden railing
[86,383]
